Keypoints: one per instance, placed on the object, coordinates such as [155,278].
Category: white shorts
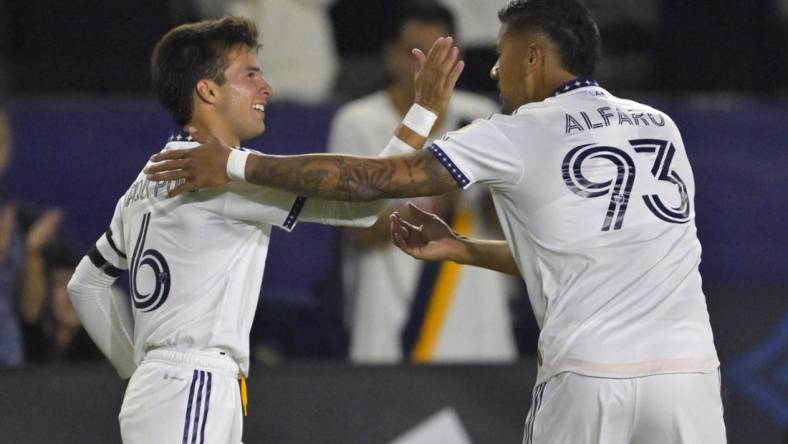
[683,408]
[183,397]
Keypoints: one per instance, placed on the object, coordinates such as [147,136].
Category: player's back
[195,262]
[601,220]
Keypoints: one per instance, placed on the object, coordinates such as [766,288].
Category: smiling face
[242,97]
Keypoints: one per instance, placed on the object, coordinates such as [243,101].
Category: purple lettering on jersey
[572,124]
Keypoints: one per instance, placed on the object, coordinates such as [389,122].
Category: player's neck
[215,129]
[554,80]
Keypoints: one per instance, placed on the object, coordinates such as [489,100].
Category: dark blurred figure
[12,259]
[51,327]
[23,234]
[84,45]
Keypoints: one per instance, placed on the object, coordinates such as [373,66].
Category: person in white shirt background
[399,309]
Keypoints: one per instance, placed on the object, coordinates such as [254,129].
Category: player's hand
[43,230]
[425,236]
[437,74]
[202,167]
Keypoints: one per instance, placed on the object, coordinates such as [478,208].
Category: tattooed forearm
[352,178]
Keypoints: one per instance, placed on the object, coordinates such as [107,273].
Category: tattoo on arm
[354,178]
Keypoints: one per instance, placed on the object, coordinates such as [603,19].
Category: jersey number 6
[161,272]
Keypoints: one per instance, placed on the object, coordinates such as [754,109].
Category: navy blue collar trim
[183,136]
[574,84]
[180,136]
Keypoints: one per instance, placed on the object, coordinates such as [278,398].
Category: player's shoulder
[488,128]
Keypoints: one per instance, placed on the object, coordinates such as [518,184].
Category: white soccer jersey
[196,261]
[595,196]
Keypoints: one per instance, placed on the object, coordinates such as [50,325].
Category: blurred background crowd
[81,120]
[330,49]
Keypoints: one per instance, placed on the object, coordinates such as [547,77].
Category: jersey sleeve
[104,312]
[479,153]
[344,214]
[255,205]
[108,254]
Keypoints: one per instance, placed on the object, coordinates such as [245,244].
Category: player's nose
[494,71]
[265,87]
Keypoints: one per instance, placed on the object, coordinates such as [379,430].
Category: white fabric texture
[674,408]
[105,314]
[181,400]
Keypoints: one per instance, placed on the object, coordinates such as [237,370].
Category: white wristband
[236,165]
[420,120]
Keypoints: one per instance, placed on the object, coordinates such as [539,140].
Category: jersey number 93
[619,187]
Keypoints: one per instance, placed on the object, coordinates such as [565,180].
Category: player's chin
[257,129]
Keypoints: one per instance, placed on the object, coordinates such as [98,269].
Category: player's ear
[207,90]
[533,58]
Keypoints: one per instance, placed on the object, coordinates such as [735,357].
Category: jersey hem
[630,370]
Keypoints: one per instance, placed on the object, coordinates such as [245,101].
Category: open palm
[424,236]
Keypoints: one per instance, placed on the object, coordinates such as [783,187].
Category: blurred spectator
[51,327]
[477,22]
[21,265]
[298,55]
[403,309]
[11,264]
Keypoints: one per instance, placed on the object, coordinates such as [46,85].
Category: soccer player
[196,262]
[596,198]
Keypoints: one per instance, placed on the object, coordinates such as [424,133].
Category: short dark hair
[566,22]
[195,51]
[426,11]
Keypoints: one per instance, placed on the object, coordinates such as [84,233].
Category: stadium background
[75,85]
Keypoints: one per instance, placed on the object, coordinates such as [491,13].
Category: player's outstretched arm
[334,176]
[425,236]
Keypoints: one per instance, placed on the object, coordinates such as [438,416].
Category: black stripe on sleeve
[111,242]
[461,179]
[298,205]
[102,264]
